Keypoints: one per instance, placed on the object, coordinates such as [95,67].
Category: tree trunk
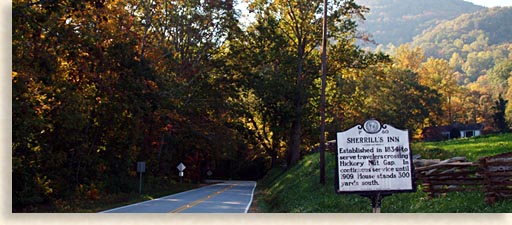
[296,128]
[273,162]
[294,145]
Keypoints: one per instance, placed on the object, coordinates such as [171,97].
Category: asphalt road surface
[225,197]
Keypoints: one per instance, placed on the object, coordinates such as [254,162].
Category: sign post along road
[374,160]
[141,168]
[181,167]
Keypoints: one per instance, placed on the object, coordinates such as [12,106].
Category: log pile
[455,174]
[497,174]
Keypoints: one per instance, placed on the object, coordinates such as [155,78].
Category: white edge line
[252,195]
[156,199]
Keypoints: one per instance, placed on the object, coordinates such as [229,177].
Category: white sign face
[181,167]
[374,158]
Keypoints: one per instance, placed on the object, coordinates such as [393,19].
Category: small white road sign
[181,167]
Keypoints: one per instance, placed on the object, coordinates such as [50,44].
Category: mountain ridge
[399,21]
[475,43]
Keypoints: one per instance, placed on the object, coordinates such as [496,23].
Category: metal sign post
[141,168]
[374,161]
[376,203]
[181,167]
[376,200]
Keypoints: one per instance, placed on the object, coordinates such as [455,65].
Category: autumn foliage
[101,85]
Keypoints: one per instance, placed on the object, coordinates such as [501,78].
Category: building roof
[437,133]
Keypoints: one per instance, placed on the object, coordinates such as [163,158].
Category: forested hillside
[474,43]
[478,48]
[471,44]
[398,21]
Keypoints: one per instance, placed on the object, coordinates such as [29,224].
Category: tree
[298,22]
[499,115]
[408,58]
[404,101]
[185,43]
[437,73]
[63,52]
[499,76]
[456,62]
[265,96]
[100,85]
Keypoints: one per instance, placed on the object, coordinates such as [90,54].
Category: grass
[298,190]
[471,148]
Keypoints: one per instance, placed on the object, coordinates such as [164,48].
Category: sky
[491,3]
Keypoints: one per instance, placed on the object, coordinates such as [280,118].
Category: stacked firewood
[497,173]
[438,177]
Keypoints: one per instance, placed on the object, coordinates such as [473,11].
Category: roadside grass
[298,190]
[83,204]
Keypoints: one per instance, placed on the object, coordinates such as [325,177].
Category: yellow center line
[192,204]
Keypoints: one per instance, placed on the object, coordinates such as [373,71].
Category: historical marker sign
[374,158]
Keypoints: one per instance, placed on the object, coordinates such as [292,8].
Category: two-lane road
[225,197]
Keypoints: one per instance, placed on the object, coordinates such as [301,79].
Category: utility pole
[322,96]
